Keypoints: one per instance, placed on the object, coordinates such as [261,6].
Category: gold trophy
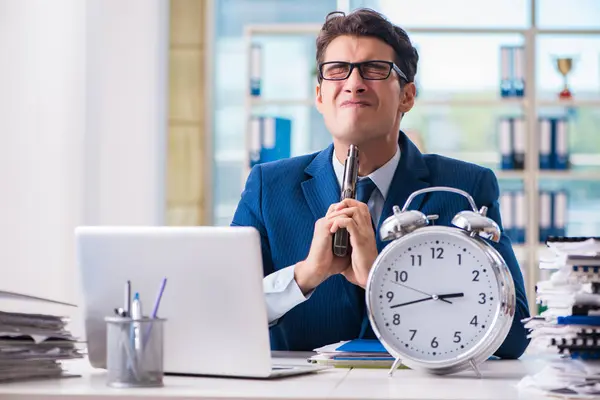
[564,65]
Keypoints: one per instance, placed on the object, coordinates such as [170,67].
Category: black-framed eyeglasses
[376,70]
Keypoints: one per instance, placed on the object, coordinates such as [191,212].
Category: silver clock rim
[503,313]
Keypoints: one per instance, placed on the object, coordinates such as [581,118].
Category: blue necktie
[364,190]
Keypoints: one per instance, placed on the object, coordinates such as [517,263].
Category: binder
[507,215]
[518,81]
[255,141]
[560,213]
[545,215]
[276,139]
[520,216]
[560,154]
[518,128]
[255,69]
[505,134]
[545,132]
[505,71]
[270,139]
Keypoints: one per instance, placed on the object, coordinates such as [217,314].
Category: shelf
[575,102]
[493,102]
[498,102]
[238,156]
[258,101]
[313,29]
[569,175]
[543,31]
[508,174]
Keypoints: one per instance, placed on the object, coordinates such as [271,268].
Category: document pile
[33,345]
[355,353]
[570,326]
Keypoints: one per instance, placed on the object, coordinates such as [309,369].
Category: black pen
[128,299]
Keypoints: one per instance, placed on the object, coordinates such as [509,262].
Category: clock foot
[477,372]
[395,366]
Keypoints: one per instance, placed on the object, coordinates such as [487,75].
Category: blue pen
[155,309]
[159,297]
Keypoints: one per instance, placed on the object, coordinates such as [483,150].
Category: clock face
[435,296]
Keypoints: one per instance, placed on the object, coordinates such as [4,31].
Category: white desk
[499,382]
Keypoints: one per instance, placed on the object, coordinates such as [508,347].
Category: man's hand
[356,218]
[320,263]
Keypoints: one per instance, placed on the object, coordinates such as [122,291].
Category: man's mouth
[354,104]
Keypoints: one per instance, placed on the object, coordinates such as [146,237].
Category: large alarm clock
[440,298]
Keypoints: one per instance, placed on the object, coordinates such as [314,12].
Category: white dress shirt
[282,293]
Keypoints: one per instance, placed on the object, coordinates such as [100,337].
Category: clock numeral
[476,276]
[437,252]
[396,320]
[415,258]
[474,321]
[482,299]
[457,337]
[434,343]
[459,259]
[401,276]
[414,332]
[390,296]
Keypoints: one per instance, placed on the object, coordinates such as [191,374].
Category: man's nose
[355,83]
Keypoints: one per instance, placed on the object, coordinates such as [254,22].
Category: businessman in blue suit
[366,85]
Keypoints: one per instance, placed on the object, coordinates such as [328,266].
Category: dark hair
[367,22]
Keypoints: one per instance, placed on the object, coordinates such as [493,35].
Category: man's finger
[331,208]
[349,212]
[345,222]
[351,203]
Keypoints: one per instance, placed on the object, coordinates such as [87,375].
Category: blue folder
[363,346]
[579,320]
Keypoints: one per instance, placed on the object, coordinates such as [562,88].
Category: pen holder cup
[134,352]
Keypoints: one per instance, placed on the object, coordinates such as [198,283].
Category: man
[366,84]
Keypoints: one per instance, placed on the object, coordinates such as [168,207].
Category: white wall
[127,59]
[82,133]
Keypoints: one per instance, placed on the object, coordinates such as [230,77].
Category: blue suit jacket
[283,200]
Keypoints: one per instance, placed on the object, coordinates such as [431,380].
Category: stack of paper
[570,326]
[33,346]
[355,353]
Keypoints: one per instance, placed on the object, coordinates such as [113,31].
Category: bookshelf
[529,105]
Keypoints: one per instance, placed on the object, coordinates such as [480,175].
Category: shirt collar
[382,177]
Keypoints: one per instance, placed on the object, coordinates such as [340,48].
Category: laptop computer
[213,301]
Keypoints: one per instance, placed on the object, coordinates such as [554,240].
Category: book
[358,353]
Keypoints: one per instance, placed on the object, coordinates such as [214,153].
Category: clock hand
[419,291]
[450,295]
[411,302]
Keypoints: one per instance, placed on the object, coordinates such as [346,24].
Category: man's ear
[407,100]
[319,98]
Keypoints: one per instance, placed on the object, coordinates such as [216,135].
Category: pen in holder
[134,352]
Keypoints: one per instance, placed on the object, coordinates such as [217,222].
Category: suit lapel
[411,175]
[322,189]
